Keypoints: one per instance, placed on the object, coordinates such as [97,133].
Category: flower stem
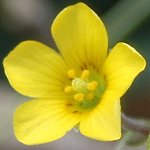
[123,140]
[135,125]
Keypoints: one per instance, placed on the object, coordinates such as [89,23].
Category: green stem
[135,125]
[122,141]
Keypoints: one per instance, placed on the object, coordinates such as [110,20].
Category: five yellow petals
[90,99]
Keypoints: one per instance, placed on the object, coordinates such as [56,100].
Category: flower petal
[104,121]
[36,70]
[42,120]
[123,64]
[80,36]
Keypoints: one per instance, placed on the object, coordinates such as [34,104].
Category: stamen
[68,89]
[79,97]
[90,96]
[92,85]
[71,74]
[85,74]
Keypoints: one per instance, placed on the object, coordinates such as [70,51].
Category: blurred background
[125,20]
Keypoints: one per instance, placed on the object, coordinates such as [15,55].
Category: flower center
[86,89]
[78,85]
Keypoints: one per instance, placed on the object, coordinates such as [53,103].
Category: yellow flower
[81,86]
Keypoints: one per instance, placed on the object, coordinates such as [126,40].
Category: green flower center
[87,90]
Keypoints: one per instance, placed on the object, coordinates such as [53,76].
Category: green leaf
[148,143]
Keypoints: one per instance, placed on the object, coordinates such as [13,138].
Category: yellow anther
[79,97]
[85,74]
[90,96]
[92,85]
[71,74]
[68,89]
